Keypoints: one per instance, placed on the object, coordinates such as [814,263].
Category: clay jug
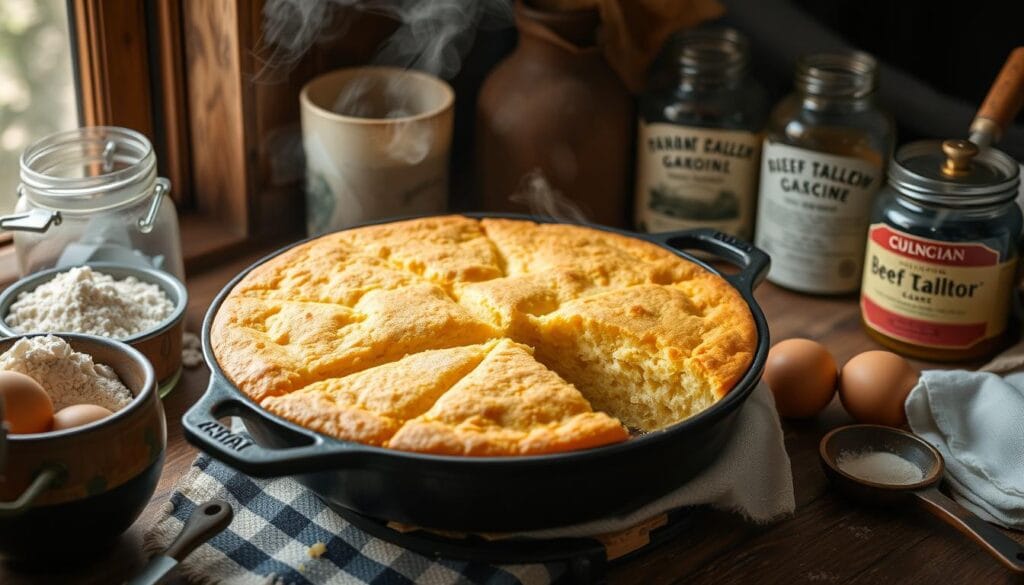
[554,105]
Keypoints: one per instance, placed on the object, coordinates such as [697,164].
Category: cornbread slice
[651,355]
[607,259]
[445,250]
[266,347]
[371,405]
[270,347]
[323,275]
[508,405]
[507,303]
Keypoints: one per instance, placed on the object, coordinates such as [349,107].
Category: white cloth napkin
[976,420]
[752,477]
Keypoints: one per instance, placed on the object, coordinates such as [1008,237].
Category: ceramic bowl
[161,345]
[70,493]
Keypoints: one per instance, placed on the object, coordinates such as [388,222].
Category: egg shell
[27,406]
[78,415]
[874,385]
[802,376]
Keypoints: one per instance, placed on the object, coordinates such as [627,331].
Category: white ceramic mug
[377,141]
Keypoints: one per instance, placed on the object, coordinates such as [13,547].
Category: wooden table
[828,540]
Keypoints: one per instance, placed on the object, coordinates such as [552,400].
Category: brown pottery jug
[555,106]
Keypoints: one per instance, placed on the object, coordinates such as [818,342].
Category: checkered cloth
[277,521]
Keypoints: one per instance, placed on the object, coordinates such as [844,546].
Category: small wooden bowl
[70,493]
[161,345]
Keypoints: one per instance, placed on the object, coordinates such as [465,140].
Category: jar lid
[954,173]
[88,169]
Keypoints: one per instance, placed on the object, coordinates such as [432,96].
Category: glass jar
[941,258]
[699,137]
[93,195]
[823,162]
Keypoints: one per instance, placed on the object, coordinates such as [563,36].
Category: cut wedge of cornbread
[370,406]
[508,405]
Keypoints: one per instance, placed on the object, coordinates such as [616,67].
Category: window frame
[191,75]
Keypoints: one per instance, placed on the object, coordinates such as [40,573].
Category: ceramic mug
[377,141]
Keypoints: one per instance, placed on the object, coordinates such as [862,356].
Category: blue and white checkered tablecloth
[277,521]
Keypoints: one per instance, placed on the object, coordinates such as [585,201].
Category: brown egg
[874,385]
[802,375]
[77,415]
[27,406]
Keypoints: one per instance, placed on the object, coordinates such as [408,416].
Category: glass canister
[822,164]
[699,137]
[941,259]
[93,195]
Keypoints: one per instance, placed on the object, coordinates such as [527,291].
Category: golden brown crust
[606,258]
[336,334]
[446,250]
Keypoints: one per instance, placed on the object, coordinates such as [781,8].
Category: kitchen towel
[976,420]
[277,521]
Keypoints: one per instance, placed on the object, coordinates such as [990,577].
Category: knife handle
[1002,103]
[206,521]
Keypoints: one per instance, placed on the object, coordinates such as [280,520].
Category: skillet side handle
[752,261]
[241,452]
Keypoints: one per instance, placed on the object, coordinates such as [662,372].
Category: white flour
[880,467]
[84,301]
[67,376]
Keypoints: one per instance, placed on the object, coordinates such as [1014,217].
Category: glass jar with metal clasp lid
[93,195]
[940,269]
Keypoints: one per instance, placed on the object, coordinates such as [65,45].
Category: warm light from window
[37,90]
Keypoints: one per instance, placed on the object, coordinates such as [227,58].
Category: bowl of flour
[142,307]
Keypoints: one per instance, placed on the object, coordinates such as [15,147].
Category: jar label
[813,215]
[691,177]
[948,295]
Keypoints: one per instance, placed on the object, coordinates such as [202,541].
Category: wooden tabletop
[828,540]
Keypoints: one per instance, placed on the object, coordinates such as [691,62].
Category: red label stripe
[933,251]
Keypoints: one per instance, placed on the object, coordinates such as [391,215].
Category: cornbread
[492,337]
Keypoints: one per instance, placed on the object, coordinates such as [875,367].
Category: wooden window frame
[174,70]
[187,74]
[177,71]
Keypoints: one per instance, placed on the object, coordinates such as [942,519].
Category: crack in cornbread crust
[397,289]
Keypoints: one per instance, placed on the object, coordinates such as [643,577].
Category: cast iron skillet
[485,494]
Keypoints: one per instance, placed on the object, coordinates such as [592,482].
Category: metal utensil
[868,438]
[206,521]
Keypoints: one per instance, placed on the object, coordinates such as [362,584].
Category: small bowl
[70,493]
[161,345]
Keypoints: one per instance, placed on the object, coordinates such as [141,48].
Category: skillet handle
[203,430]
[752,261]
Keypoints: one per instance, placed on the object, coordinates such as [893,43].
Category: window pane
[37,89]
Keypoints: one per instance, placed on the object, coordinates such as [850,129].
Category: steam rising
[432,36]
[543,200]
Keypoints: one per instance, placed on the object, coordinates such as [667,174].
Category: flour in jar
[69,377]
[83,300]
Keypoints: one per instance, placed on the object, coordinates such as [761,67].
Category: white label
[813,215]
[696,177]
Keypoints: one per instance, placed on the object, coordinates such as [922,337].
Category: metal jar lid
[954,173]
